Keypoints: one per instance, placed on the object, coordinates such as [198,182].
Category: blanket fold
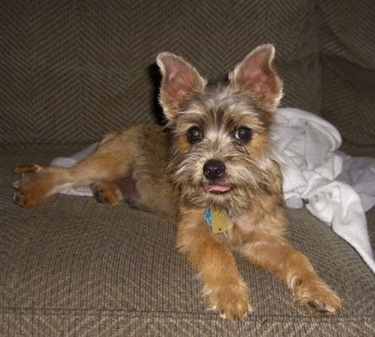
[334,187]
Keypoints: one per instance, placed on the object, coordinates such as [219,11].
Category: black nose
[213,169]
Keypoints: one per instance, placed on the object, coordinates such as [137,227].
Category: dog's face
[220,152]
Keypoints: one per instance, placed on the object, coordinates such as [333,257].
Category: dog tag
[219,220]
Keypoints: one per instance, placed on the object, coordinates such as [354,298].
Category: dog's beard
[244,179]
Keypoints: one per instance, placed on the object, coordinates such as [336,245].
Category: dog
[210,169]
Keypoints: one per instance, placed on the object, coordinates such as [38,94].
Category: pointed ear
[179,80]
[255,74]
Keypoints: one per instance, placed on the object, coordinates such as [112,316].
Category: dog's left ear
[179,80]
[255,74]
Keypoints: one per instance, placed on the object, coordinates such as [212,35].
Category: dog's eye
[243,134]
[195,134]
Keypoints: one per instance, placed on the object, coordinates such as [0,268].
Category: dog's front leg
[224,288]
[274,253]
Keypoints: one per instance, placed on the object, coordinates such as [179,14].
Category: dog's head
[220,150]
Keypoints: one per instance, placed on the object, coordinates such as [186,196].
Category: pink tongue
[216,188]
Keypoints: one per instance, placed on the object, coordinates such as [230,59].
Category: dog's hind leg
[109,163]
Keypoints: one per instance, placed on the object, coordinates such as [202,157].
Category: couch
[72,70]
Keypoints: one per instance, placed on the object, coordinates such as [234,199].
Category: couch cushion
[348,68]
[73,70]
[74,267]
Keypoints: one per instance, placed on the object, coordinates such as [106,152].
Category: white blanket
[334,187]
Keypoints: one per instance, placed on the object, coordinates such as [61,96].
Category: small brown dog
[211,170]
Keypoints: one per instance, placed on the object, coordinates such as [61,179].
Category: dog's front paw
[318,296]
[33,187]
[231,302]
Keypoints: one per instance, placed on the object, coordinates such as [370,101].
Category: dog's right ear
[179,80]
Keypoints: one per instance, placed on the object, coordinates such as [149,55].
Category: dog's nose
[213,169]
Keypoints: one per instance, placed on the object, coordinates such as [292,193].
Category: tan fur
[213,153]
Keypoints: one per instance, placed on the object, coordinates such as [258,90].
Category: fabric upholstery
[75,266]
[73,70]
[348,65]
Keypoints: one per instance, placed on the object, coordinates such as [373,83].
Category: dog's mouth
[216,188]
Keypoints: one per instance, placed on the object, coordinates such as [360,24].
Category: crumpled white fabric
[333,186]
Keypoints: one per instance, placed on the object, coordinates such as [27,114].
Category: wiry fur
[219,111]
[166,171]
